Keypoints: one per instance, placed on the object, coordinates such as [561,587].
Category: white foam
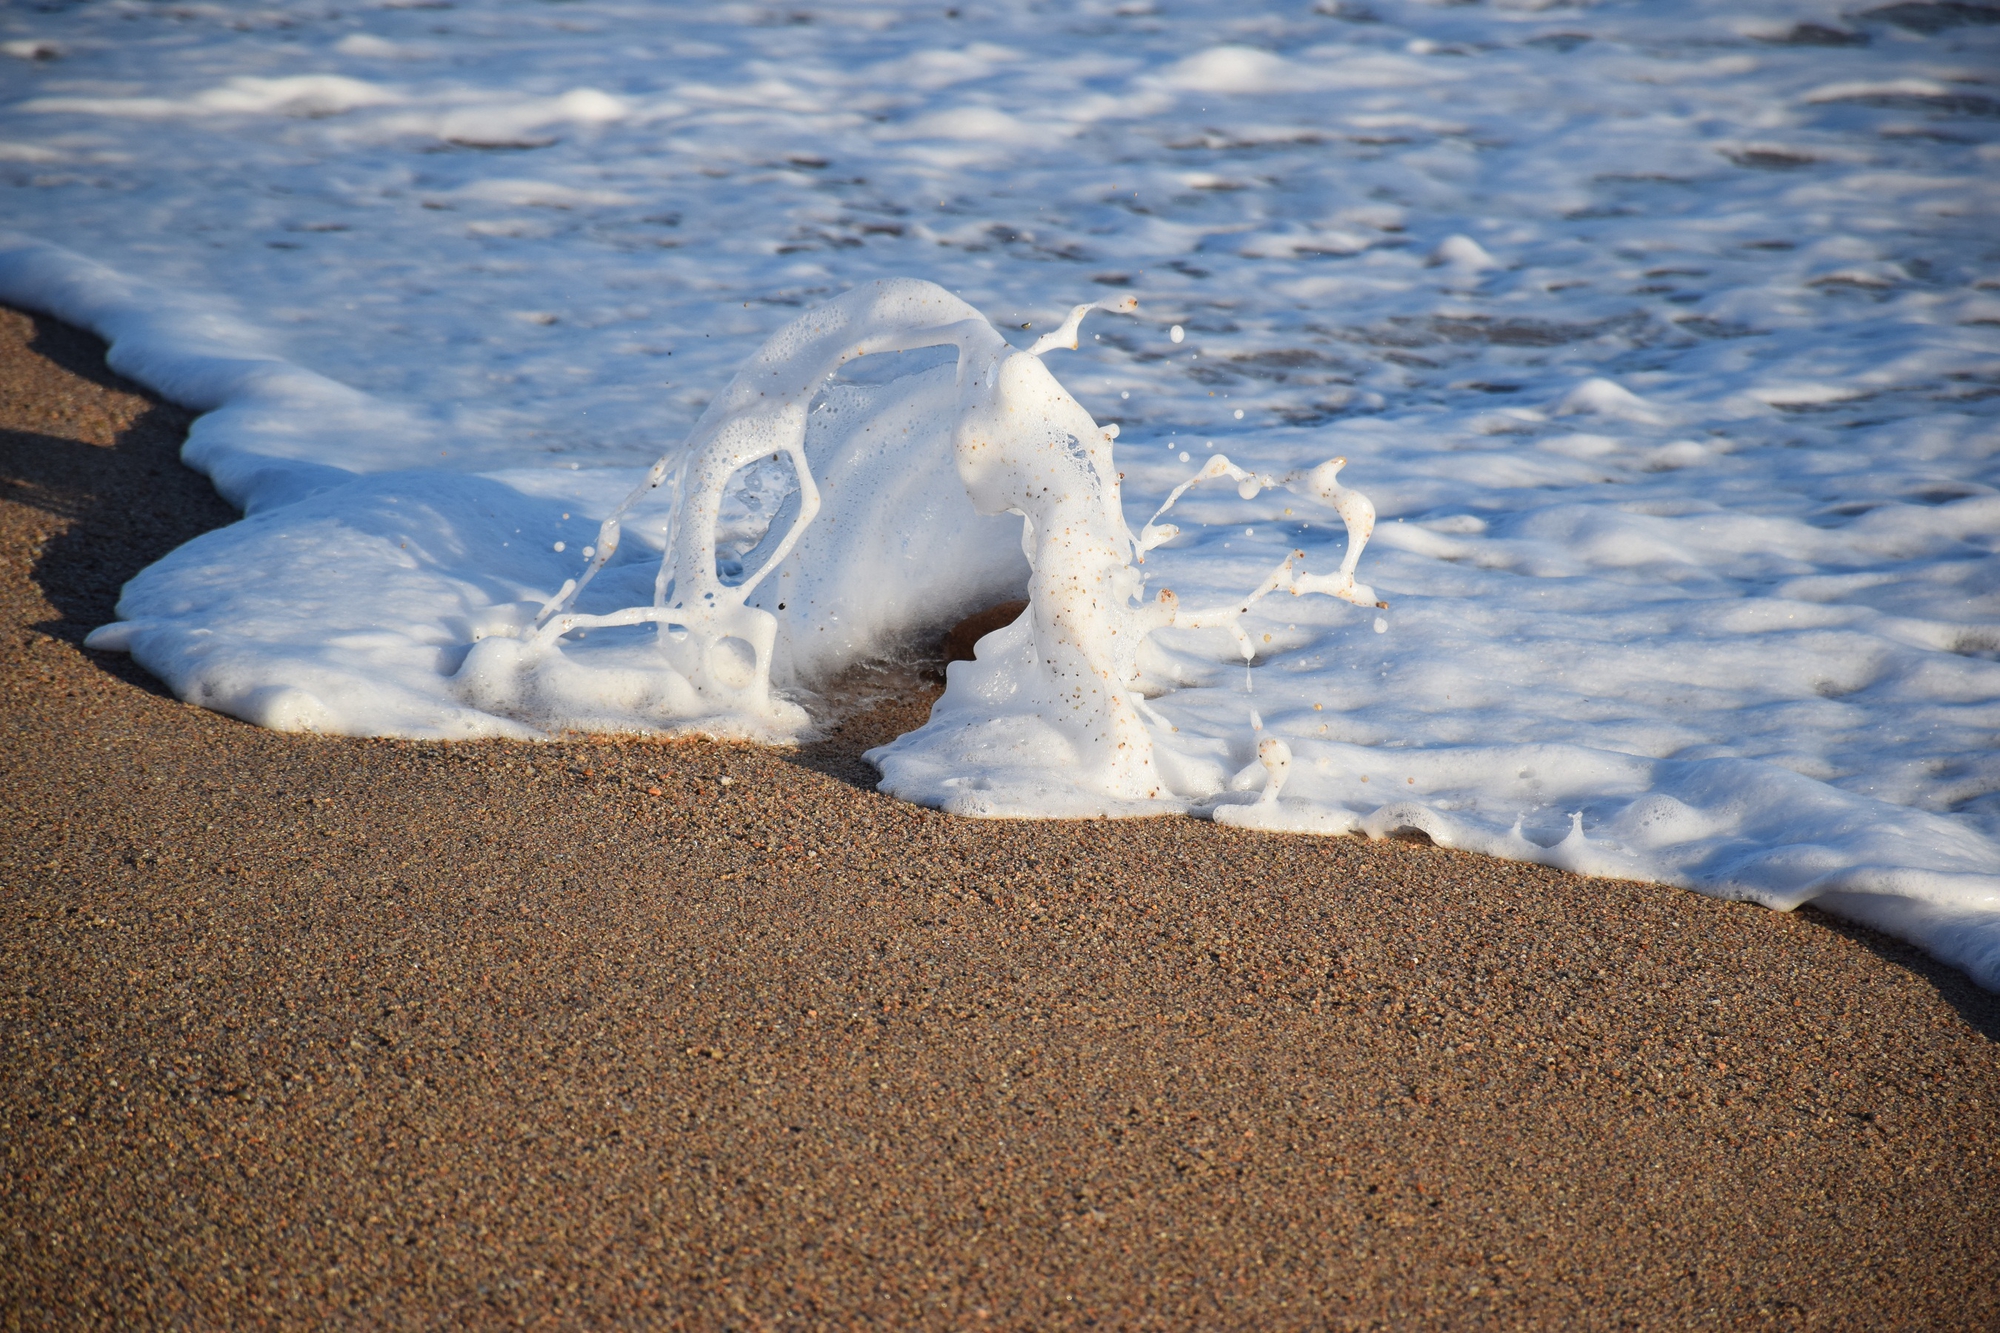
[1667,357]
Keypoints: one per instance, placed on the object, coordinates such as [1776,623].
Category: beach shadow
[121,505]
[870,705]
[1979,1008]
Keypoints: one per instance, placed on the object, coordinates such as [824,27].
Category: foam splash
[1020,445]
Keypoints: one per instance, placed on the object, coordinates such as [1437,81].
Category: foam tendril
[1021,445]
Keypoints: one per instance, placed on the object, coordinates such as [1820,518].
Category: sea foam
[1663,345]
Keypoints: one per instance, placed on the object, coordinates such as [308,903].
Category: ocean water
[1665,339]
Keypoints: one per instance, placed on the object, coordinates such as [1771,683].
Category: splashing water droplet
[1012,425]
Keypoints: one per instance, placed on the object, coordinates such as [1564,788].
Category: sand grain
[306,1031]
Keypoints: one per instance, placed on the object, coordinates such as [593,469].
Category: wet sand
[306,1031]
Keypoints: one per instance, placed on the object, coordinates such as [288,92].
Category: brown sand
[308,1031]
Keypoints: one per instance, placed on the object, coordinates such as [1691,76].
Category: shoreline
[571,1032]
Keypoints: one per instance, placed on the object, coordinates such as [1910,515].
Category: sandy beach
[317,1031]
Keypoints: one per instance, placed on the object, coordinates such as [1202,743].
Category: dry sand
[320,1031]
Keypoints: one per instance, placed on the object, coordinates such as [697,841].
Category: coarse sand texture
[310,1031]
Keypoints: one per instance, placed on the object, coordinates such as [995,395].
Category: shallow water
[1666,339]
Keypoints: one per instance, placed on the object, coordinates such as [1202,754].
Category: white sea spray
[1060,683]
